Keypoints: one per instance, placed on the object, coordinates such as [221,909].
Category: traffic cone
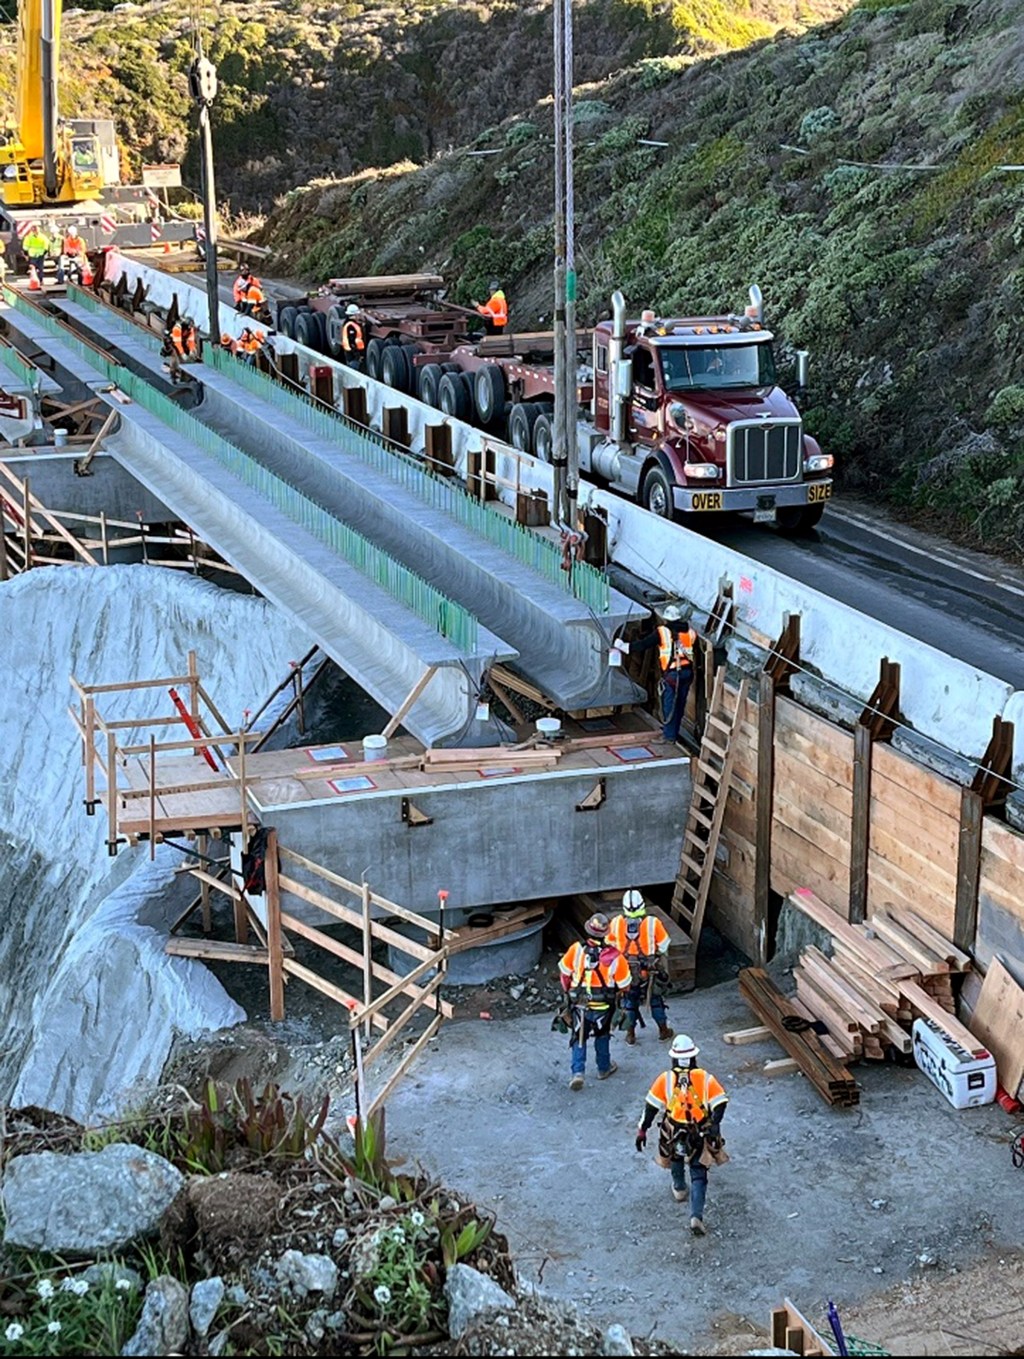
[33,279]
[167,247]
[86,274]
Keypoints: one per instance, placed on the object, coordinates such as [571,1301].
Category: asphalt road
[959,601]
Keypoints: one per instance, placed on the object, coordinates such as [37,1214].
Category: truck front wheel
[656,494]
[799,518]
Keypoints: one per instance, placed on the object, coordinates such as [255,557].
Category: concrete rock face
[86,1203]
[470,1294]
[163,1326]
[307,1273]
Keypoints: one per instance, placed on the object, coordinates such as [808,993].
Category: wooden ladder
[712,776]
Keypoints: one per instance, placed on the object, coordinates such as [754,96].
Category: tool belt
[692,1142]
[648,970]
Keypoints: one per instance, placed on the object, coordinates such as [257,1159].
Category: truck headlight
[820,462]
[704,471]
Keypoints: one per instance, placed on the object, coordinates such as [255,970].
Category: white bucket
[60,438]
[375,747]
[548,726]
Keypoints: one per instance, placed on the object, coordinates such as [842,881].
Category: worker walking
[643,941]
[35,246]
[675,640]
[691,1104]
[353,340]
[594,976]
[74,256]
[495,309]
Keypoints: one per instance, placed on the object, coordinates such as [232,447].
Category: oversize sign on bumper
[747,497]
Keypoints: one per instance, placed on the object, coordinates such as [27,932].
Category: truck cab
[688,418]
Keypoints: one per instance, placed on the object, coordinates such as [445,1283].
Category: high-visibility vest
[242,286]
[643,938]
[254,295]
[593,983]
[496,308]
[687,1097]
[675,651]
[352,336]
[190,342]
[176,338]
[249,345]
[36,244]
[74,245]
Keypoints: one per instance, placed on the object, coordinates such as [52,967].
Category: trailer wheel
[656,494]
[335,321]
[412,353]
[799,518]
[394,367]
[450,368]
[307,331]
[286,319]
[374,351]
[455,396]
[520,425]
[430,379]
[489,394]
[543,435]
[320,330]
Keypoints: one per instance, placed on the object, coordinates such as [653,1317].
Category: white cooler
[965,1078]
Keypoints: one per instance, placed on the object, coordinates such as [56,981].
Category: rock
[879,1203]
[86,1203]
[927,1259]
[216,1345]
[516,992]
[109,1271]
[616,1341]
[387,1202]
[207,1296]
[163,1326]
[469,1294]
[307,1273]
[237,1295]
[339,1239]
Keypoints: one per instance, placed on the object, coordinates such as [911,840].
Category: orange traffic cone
[86,274]
[167,247]
[33,279]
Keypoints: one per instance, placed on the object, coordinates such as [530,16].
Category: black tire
[286,319]
[307,332]
[521,421]
[430,376]
[489,394]
[450,368]
[374,352]
[799,518]
[544,435]
[394,367]
[335,321]
[412,353]
[455,396]
[656,494]
[320,327]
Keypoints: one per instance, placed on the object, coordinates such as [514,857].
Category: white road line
[889,533]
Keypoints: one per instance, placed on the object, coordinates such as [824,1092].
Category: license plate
[764,510]
[818,491]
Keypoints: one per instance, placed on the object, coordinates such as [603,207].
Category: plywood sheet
[998,1020]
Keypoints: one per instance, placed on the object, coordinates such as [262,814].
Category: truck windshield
[717,366]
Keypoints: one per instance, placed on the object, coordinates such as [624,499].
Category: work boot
[631,1035]
[665,1033]
[603,1075]
[576,1083]
[681,1195]
[697,1226]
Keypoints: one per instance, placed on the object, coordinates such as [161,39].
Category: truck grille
[764,451]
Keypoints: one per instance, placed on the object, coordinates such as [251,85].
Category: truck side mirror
[624,378]
[802,357]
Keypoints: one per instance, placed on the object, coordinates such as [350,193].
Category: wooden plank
[275,947]
[215,950]
[936,792]
[818,731]
[351,917]
[934,834]
[968,870]
[753,1035]
[927,1005]
[860,823]
[905,944]
[1004,842]
[780,1066]
[887,885]
[859,1006]
[818,824]
[815,909]
[764,805]
[998,1020]
[395,1028]
[355,889]
[404,1065]
[325,987]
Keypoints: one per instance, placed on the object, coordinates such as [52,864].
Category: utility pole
[559,449]
[202,84]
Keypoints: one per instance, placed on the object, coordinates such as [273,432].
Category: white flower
[14,1331]
[397,1233]
[382,1295]
[416,1218]
[53,1327]
[123,1285]
[77,1286]
[45,1289]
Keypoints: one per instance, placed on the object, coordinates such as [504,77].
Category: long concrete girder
[563,647]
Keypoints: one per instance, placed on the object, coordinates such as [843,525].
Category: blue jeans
[597,1027]
[698,1183]
[633,1000]
[675,689]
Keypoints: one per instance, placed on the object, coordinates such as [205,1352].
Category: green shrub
[1007,408]
[520,133]
[819,122]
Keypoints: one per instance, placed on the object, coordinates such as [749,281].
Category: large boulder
[470,1294]
[86,1203]
[163,1326]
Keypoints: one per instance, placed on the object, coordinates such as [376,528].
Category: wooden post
[409,700]
[88,745]
[860,826]
[103,538]
[395,424]
[202,849]
[26,509]
[968,866]
[152,797]
[474,473]
[353,403]
[321,383]
[275,950]
[437,449]
[300,702]
[193,684]
[111,793]
[367,956]
[765,809]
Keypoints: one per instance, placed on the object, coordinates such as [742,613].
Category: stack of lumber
[790,1330]
[822,1068]
[879,975]
[454,761]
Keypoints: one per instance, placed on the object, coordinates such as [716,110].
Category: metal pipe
[615,397]
[756,309]
[49,93]
[571,393]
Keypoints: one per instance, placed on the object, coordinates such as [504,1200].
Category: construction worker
[648,323]
[169,350]
[353,340]
[675,640]
[643,941]
[75,255]
[176,335]
[248,347]
[35,246]
[692,1104]
[228,344]
[593,976]
[241,286]
[495,309]
[254,300]
[189,340]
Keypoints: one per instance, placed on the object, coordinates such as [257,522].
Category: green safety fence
[20,366]
[539,554]
[450,619]
[89,353]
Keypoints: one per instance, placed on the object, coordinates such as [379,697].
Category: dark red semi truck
[684,415]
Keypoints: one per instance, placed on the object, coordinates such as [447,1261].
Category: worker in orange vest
[241,286]
[692,1104]
[248,346]
[353,340]
[189,340]
[75,253]
[495,309]
[593,976]
[675,640]
[228,344]
[643,941]
[177,337]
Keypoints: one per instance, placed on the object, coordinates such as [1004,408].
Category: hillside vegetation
[795,164]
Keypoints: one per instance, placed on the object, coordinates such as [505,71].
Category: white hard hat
[633,902]
[351,309]
[675,613]
[683,1048]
